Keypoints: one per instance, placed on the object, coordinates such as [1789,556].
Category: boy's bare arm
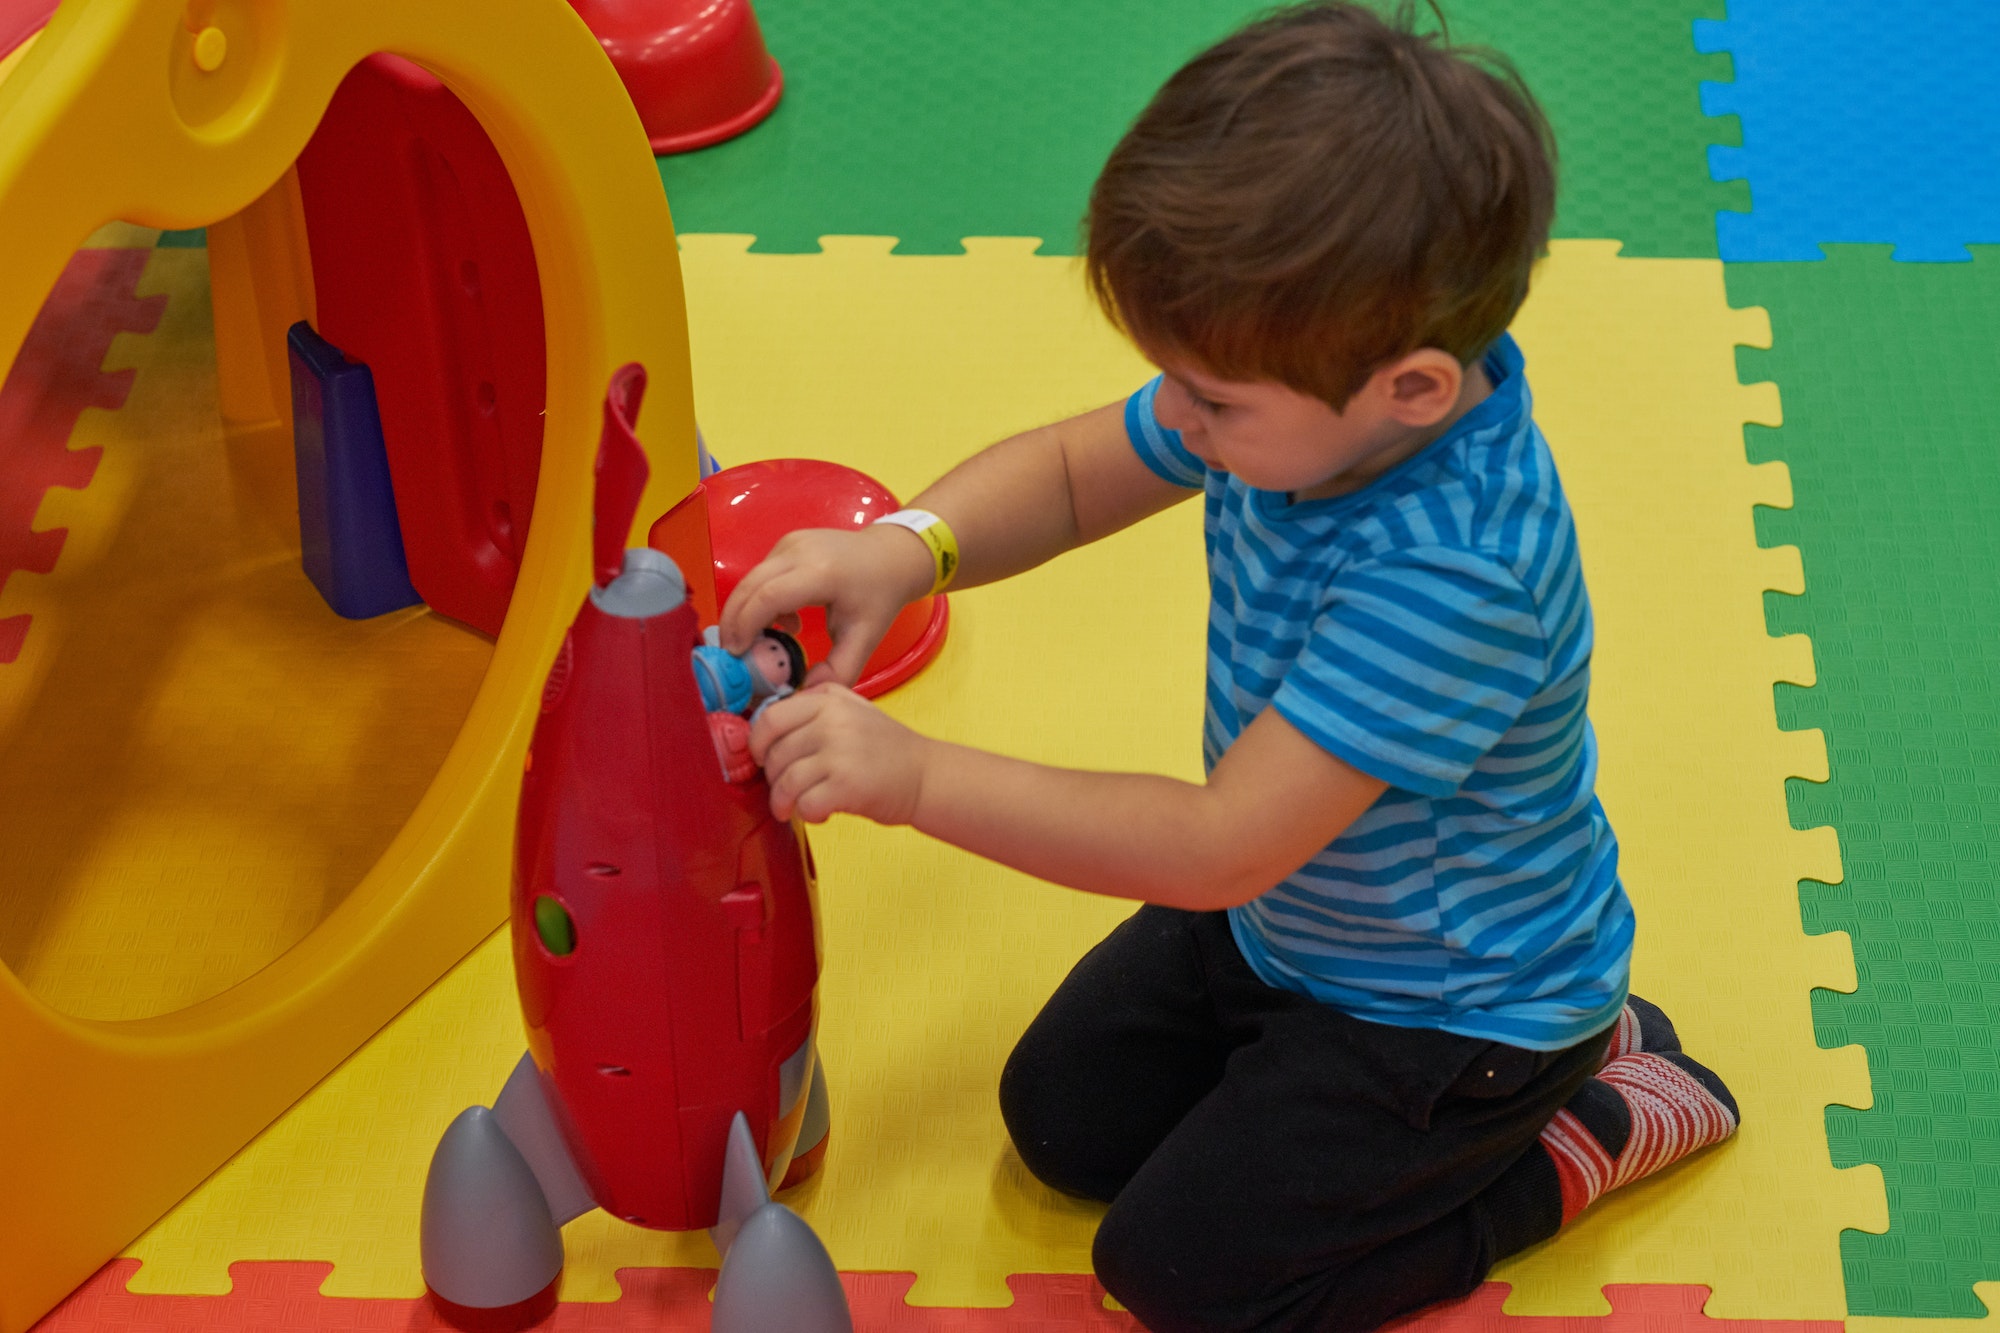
[1033,496]
[1012,506]
[1275,799]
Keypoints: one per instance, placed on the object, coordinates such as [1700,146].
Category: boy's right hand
[862,579]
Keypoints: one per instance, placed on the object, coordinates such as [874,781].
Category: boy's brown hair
[1320,194]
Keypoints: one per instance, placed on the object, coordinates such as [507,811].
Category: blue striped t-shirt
[1432,630]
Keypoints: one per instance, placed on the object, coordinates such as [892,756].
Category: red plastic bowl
[697,70]
[754,504]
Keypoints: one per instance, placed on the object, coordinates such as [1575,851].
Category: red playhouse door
[425,272]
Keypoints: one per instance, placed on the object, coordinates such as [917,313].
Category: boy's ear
[1421,389]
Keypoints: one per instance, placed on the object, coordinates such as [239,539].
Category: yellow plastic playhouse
[190,113]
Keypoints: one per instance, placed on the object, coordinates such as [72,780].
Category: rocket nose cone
[649,585]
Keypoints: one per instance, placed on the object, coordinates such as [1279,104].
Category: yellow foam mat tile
[1633,366]
[935,961]
[197,758]
[901,365]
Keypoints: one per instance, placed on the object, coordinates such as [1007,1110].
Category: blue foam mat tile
[1875,122]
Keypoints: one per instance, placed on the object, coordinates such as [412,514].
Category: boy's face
[1275,438]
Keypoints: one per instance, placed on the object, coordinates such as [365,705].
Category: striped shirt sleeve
[1159,448]
[1422,661]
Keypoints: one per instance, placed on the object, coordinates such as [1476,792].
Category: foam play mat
[1787,494]
[936,960]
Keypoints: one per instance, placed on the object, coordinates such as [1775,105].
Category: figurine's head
[777,662]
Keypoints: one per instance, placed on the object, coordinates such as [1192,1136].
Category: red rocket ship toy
[665,949]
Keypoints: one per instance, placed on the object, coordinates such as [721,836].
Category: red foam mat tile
[284,1298]
[53,379]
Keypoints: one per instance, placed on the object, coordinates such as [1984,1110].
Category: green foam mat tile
[933,120]
[1891,391]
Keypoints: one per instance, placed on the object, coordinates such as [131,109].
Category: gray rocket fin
[743,1187]
[488,1238]
[818,1118]
[523,1111]
[777,1275]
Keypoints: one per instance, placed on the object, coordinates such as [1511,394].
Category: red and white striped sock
[1642,1026]
[1642,1112]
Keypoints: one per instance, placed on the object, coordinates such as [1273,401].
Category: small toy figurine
[735,689]
[772,669]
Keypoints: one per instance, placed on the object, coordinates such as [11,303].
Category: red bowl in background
[752,505]
[697,70]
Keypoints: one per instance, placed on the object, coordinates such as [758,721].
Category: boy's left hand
[827,750]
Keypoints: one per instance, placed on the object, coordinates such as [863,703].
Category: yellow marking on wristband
[937,535]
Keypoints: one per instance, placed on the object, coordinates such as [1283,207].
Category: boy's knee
[1173,1279]
[1044,1121]
[1179,1269]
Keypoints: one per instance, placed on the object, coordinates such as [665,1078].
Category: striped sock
[1641,1113]
[1642,1026]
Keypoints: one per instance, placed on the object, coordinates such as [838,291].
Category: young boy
[1370,1033]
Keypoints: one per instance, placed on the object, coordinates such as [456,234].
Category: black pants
[1271,1163]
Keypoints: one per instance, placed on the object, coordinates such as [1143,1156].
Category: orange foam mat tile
[284,1297]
